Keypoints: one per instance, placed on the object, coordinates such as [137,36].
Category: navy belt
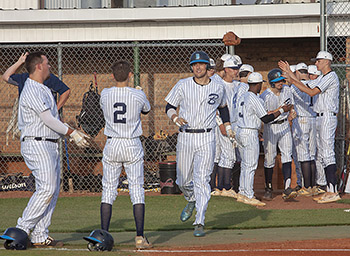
[195,130]
[279,121]
[323,114]
[40,139]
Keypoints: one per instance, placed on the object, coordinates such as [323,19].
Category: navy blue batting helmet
[16,239]
[99,240]
[274,76]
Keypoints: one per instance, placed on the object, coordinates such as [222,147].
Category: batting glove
[230,132]
[80,139]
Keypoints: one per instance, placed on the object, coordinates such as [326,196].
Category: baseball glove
[231,38]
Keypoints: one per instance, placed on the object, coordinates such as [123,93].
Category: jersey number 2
[121,110]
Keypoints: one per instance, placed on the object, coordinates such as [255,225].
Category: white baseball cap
[301,66]
[312,69]
[323,55]
[293,68]
[246,67]
[255,77]
[226,56]
[238,59]
[212,63]
[231,63]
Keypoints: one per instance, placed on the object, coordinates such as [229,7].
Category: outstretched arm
[284,65]
[11,70]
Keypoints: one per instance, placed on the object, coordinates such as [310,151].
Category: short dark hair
[121,70]
[243,73]
[219,65]
[32,60]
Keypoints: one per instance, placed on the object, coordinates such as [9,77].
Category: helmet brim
[278,79]
[92,239]
[5,237]
[199,61]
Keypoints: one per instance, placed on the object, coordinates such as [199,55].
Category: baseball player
[198,98]
[304,132]
[250,114]
[321,183]
[326,107]
[122,107]
[53,82]
[40,130]
[278,133]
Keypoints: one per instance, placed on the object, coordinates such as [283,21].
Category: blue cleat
[199,231]
[187,211]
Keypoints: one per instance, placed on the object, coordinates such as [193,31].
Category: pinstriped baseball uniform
[228,155]
[41,157]
[122,108]
[195,151]
[277,133]
[250,110]
[327,106]
[303,128]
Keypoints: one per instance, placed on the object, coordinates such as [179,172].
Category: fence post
[323,13]
[136,64]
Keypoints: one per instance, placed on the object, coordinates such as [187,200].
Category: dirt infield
[287,248]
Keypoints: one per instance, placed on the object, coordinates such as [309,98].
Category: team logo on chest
[212,98]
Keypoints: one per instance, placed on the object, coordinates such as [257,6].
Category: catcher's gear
[80,139]
[231,38]
[16,239]
[99,240]
[199,57]
[275,75]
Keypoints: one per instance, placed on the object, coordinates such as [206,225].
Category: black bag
[91,118]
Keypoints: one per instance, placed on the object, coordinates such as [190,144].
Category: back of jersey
[122,108]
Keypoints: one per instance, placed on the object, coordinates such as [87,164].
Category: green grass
[81,214]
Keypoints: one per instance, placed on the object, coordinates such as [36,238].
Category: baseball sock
[330,171]
[139,216]
[236,173]
[106,214]
[268,176]
[306,170]
[213,177]
[313,173]
[227,178]
[220,178]
[287,171]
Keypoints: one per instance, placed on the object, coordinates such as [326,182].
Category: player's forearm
[63,98]
[54,124]
[11,70]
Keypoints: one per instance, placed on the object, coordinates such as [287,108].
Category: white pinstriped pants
[277,134]
[304,135]
[228,154]
[249,151]
[325,137]
[119,152]
[42,158]
[194,163]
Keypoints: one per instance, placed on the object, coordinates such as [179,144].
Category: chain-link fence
[157,67]
[337,40]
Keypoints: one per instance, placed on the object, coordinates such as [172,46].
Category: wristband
[281,110]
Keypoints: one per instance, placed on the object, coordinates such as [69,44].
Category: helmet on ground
[16,239]
[274,76]
[199,57]
[99,240]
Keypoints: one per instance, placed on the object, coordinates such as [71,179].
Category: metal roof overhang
[165,23]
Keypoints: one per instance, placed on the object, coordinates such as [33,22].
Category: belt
[325,113]
[40,139]
[108,137]
[279,121]
[195,130]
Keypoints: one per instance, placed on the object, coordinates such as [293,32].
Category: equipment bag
[91,118]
